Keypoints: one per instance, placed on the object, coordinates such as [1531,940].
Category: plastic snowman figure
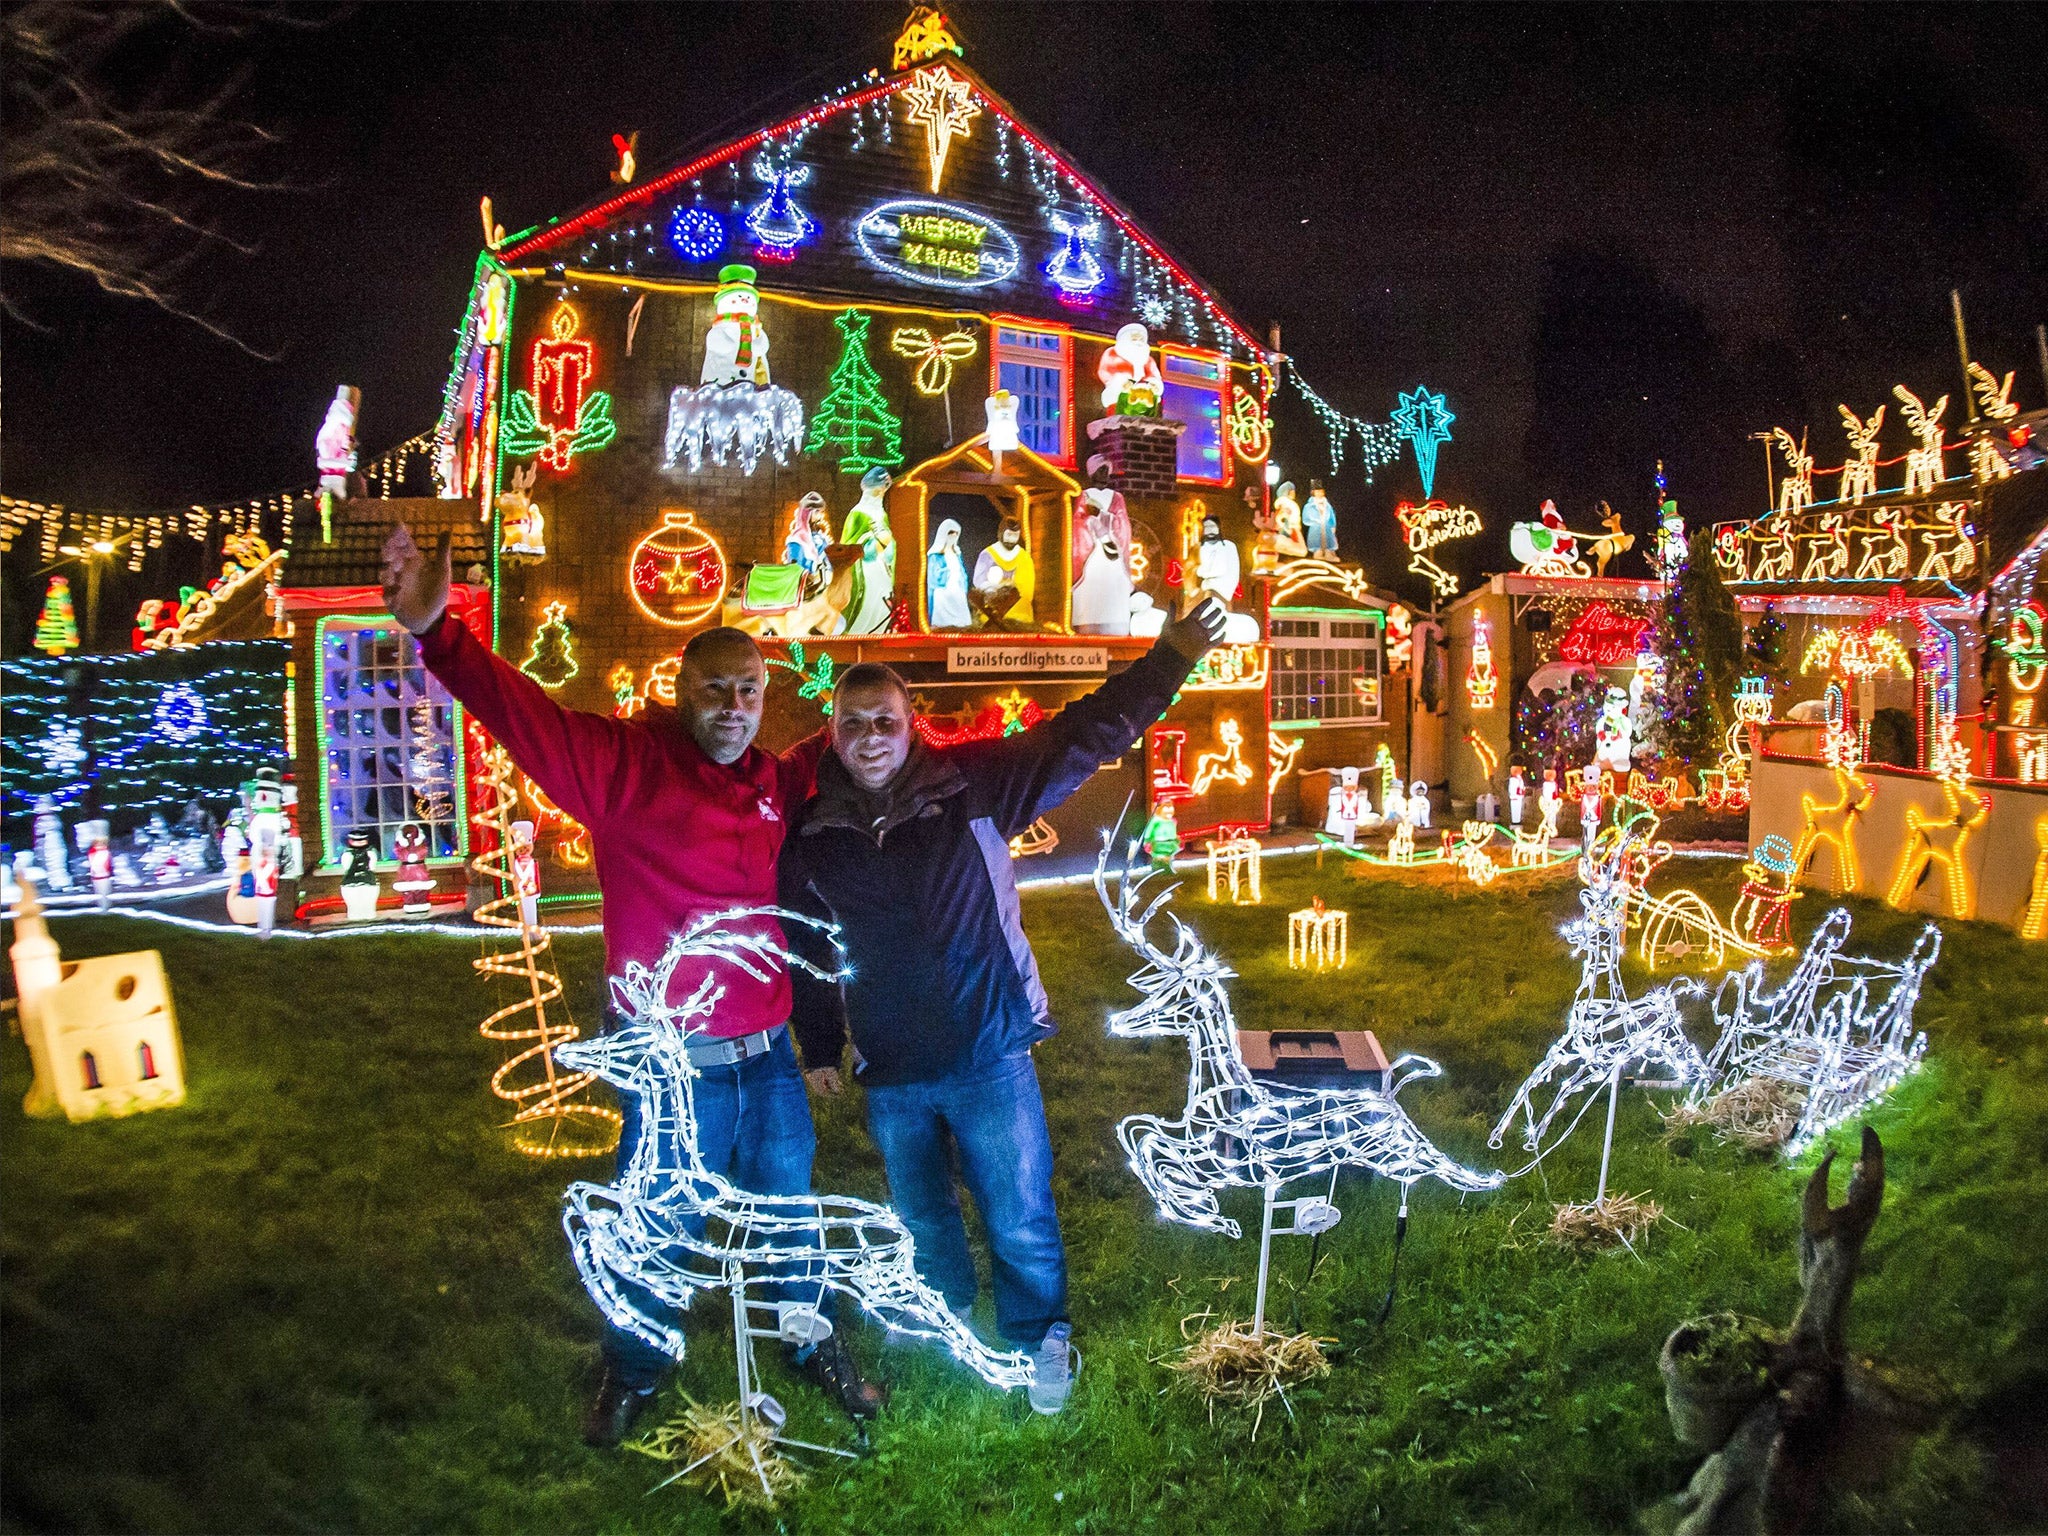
[359,887]
[1518,794]
[1418,804]
[526,875]
[736,346]
[1550,802]
[1346,800]
[265,831]
[1614,734]
[1131,382]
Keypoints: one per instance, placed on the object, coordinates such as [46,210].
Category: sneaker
[1052,1369]
[617,1408]
[830,1367]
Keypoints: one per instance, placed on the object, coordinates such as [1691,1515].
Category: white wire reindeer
[1817,1032]
[1238,1132]
[670,1225]
[1606,1030]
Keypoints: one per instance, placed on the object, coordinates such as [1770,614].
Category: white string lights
[673,1227]
[1606,1031]
[1238,1132]
[1818,1032]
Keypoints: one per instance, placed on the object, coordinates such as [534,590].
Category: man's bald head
[720,691]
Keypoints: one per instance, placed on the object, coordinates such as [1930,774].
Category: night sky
[1608,235]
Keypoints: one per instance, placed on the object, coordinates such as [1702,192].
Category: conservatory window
[1195,385]
[387,749]
[1037,366]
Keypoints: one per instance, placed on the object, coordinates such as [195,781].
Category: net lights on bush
[669,1226]
[1237,1132]
[1819,1033]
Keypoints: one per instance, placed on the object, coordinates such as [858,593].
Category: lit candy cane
[671,1225]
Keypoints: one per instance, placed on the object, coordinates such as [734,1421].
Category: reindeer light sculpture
[671,1227]
[1924,468]
[1859,475]
[1817,1033]
[1606,1031]
[1238,1132]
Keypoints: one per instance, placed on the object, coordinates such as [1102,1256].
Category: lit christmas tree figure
[552,661]
[57,629]
[853,422]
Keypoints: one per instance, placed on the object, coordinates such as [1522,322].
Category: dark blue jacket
[943,977]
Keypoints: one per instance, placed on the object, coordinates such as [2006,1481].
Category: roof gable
[923,185]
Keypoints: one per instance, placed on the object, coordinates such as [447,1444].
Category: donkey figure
[1606,1030]
[670,1226]
[1235,1130]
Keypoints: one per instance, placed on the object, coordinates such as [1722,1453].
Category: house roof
[353,557]
[564,243]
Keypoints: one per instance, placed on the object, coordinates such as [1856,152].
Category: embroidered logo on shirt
[768,810]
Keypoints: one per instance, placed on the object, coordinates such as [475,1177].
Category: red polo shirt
[673,835]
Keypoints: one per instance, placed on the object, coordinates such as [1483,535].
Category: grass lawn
[324,1294]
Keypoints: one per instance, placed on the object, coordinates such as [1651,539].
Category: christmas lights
[1546,547]
[777,223]
[1318,938]
[1834,825]
[551,662]
[853,422]
[561,416]
[1251,428]
[1425,527]
[1482,683]
[549,1121]
[696,233]
[935,355]
[677,573]
[729,419]
[669,1226]
[1378,442]
[1795,491]
[1606,1031]
[1425,422]
[1236,1131]
[925,36]
[1227,765]
[943,105]
[1940,841]
[1859,475]
[1281,751]
[1234,860]
[938,244]
[1601,637]
[57,629]
[1923,463]
[1074,269]
[1818,1033]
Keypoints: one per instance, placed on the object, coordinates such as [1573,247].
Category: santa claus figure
[1131,381]
[736,346]
[1102,556]
[334,450]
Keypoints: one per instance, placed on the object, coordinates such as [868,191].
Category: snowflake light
[1818,1032]
[669,1226]
[1606,1031]
[1235,1131]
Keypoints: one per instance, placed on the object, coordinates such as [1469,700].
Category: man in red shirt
[686,817]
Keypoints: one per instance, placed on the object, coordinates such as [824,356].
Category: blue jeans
[996,1118]
[753,1128]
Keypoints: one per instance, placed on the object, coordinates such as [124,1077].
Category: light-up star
[945,106]
[1425,421]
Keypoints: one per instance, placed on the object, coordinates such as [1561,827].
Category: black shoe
[616,1409]
[830,1367]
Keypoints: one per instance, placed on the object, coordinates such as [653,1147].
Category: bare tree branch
[116,191]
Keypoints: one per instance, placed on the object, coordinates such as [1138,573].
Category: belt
[727,1053]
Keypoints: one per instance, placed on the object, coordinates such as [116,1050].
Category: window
[89,1069]
[1037,367]
[1195,383]
[146,1059]
[387,748]
[1325,667]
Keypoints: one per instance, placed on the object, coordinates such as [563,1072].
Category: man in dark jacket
[906,847]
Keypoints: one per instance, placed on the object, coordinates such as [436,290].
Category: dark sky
[1608,234]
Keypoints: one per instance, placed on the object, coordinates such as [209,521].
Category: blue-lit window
[1195,385]
[1037,367]
[388,731]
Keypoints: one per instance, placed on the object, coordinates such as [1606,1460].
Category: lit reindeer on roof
[1237,1131]
[1923,464]
[1859,475]
[670,1225]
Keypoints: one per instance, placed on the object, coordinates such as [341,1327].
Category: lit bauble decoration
[677,573]
[696,233]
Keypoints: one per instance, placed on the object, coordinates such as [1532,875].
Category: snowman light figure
[1614,734]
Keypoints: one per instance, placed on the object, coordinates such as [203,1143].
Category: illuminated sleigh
[1819,1033]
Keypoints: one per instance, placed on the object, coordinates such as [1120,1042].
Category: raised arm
[571,755]
[1020,778]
